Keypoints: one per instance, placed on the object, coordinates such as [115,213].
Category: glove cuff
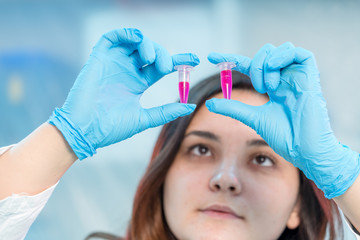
[72,134]
[348,168]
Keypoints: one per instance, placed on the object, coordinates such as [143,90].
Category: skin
[36,163]
[223,162]
[41,159]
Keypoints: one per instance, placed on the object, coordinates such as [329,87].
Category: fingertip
[184,109]
[215,57]
[256,77]
[191,107]
[272,63]
[195,59]
[278,60]
[164,67]
[281,56]
[185,59]
[272,81]
[135,33]
[163,60]
[211,104]
[149,59]
[305,56]
[119,37]
[257,68]
[242,63]
[147,51]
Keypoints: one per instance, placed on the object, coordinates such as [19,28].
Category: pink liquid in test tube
[184,91]
[226,78]
[226,83]
[184,81]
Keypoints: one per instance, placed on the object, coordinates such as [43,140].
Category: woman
[310,213]
[122,66]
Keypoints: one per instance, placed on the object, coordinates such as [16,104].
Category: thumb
[160,115]
[247,114]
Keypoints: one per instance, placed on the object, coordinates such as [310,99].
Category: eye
[200,150]
[263,161]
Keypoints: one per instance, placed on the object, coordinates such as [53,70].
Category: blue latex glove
[295,121]
[103,106]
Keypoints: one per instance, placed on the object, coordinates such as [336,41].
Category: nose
[225,180]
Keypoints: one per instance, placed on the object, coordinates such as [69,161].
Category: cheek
[278,189]
[184,180]
[270,197]
[272,201]
[182,189]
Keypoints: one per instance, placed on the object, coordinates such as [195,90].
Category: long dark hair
[148,222]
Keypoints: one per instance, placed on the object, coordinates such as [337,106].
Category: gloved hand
[103,106]
[295,121]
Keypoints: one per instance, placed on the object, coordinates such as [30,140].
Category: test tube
[226,78]
[184,81]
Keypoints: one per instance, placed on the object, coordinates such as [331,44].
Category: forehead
[222,125]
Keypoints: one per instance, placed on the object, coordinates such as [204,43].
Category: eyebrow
[257,142]
[211,136]
[204,134]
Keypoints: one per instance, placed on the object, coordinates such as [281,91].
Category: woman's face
[227,183]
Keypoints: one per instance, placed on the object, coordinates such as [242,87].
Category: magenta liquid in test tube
[184,81]
[226,78]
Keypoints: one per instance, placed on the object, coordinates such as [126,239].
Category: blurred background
[43,45]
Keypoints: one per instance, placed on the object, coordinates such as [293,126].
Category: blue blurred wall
[43,45]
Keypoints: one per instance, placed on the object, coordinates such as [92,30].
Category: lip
[220,211]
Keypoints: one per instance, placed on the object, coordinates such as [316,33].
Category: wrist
[77,140]
[341,172]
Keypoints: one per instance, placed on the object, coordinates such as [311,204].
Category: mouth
[222,212]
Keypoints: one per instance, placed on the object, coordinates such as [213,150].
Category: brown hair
[148,221]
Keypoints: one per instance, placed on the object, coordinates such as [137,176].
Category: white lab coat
[19,211]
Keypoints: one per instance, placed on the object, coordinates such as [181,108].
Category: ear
[294,218]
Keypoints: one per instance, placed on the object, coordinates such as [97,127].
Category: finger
[247,114]
[272,76]
[242,63]
[127,39]
[160,67]
[147,51]
[185,59]
[164,64]
[257,68]
[286,57]
[163,61]
[160,115]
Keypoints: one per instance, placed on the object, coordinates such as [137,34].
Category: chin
[215,232]
[215,235]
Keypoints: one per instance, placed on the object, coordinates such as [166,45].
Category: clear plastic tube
[184,81]
[226,78]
